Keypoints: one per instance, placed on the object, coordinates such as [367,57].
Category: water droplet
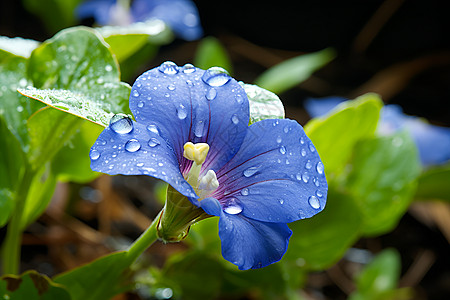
[198,129]
[303,152]
[94,155]
[279,139]
[308,165]
[23,82]
[139,164]
[235,119]
[171,87]
[189,82]
[305,178]
[114,154]
[211,94]
[233,207]
[135,93]
[168,67]
[281,201]
[153,142]
[286,129]
[311,148]
[140,104]
[314,202]
[132,145]
[108,68]
[282,150]
[121,123]
[250,171]
[244,192]
[216,76]
[160,164]
[153,128]
[239,98]
[188,68]
[319,167]
[298,176]
[181,112]
[20,108]
[319,194]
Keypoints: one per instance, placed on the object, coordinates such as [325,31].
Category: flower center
[207,183]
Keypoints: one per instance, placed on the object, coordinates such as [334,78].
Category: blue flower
[180,15]
[433,142]
[192,131]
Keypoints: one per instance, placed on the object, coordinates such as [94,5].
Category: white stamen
[209,181]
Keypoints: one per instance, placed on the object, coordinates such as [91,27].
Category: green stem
[13,239]
[147,238]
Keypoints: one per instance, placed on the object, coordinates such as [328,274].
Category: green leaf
[433,184]
[31,286]
[14,108]
[335,134]
[49,130]
[263,104]
[17,46]
[77,104]
[211,53]
[379,279]
[127,40]
[39,195]
[383,179]
[291,72]
[78,59]
[319,242]
[72,162]
[55,14]
[100,279]
[6,205]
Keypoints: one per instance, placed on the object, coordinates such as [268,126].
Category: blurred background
[399,49]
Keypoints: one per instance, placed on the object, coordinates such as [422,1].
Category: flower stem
[13,239]
[147,238]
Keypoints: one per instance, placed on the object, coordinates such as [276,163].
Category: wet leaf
[263,103]
[31,286]
[291,72]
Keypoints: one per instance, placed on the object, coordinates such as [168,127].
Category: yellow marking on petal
[196,152]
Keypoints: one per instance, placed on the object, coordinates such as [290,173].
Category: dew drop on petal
[281,201]
[198,129]
[312,148]
[314,202]
[168,67]
[235,119]
[286,129]
[233,207]
[244,192]
[153,142]
[94,155]
[121,123]
[132,145]
[140,104]
[279,139]
[135,93]
[302,141]
[216,76]
[239,98]
[153,128]
[188,68]
[308,165]
[298,176]
[171,87]
[250,171]
[319,167]
[303,152]
[305,178]
[319,194]
[283,150]
[181,112]
[211,94]
[139,164]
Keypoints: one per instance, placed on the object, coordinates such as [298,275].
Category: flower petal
[181,15]
[277,175]
[138,152]
[100,10]
[251,244]
[186,108]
